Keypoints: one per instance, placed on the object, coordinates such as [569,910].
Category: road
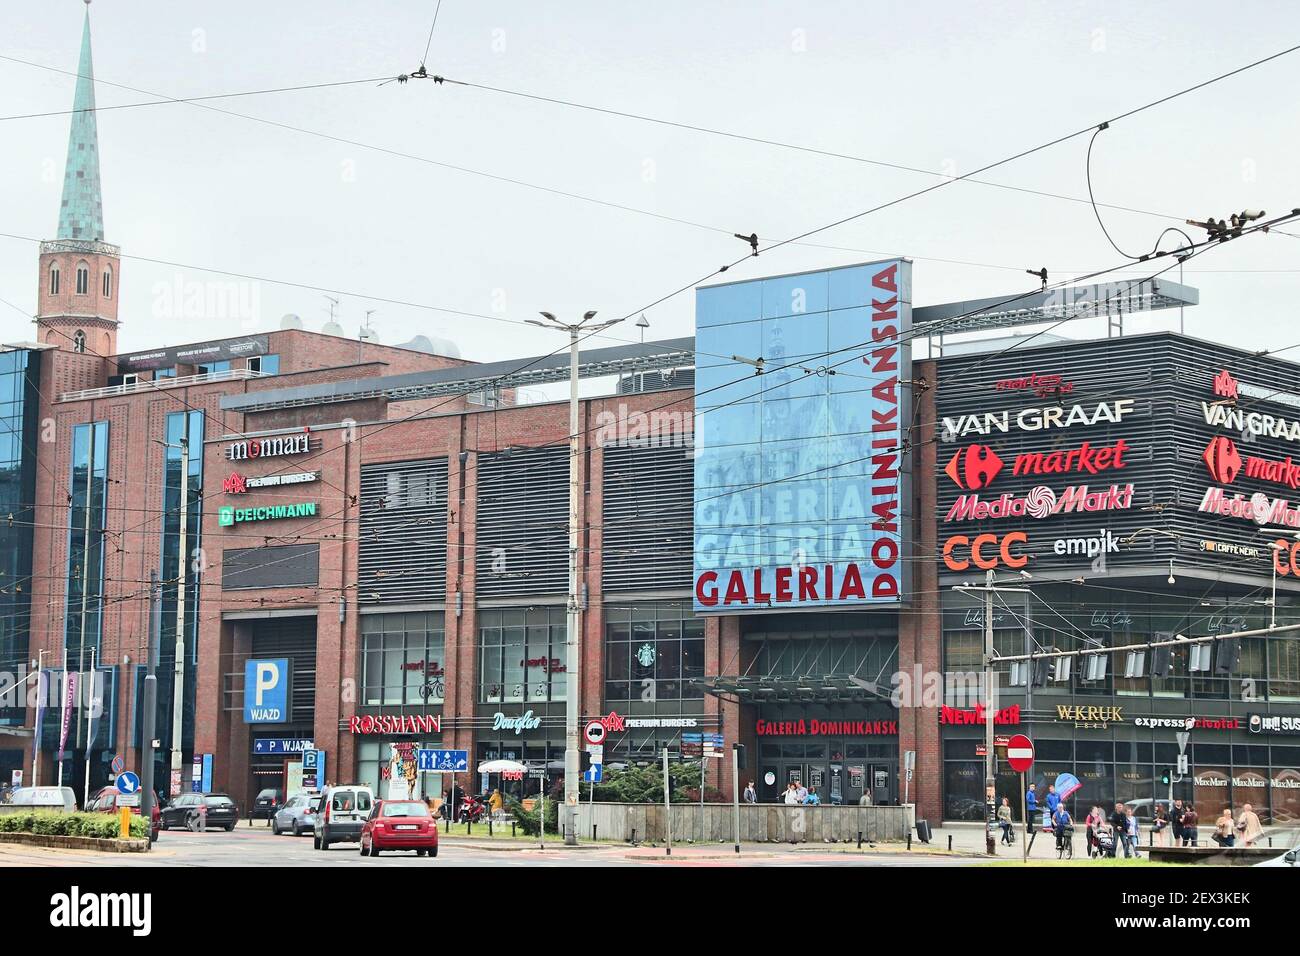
[255,846]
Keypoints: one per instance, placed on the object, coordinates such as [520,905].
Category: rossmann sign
[801,482]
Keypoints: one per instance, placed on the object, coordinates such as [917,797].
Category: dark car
[189,810]
[105,801]
[267,804]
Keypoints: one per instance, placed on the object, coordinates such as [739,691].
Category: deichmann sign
[227,516]
[781,540]
[1042,502]
[238,484]
[975,466]
[255,448]
[1037,418]
[395,724]
[825,728]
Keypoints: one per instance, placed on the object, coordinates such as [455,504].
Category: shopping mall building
[778,521]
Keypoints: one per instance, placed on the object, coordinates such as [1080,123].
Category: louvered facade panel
[647,518]
[402,552]
[523,514]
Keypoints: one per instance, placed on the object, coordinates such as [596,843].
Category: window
[265,364]
[653,652]
[402,659]
[177,425]
[164,373]
[521,655]
[83,278]
[108,282]
[54,279]
[79,341]
[211,367]
[89,499]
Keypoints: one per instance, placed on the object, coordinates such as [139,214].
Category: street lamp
[573,660]
[178,683]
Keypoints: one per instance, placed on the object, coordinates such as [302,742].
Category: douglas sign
[800,481]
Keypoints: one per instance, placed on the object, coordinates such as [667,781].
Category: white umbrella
[502,766]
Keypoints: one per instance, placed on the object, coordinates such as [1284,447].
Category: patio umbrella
[502,766]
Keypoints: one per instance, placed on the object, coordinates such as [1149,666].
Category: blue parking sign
[266,691]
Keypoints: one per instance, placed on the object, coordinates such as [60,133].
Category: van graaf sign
[801,488]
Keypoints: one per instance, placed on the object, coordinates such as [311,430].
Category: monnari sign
[801,483]
[254,448]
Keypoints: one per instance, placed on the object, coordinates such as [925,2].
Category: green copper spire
[81,216]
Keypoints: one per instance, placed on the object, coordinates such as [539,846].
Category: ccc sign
[987,551]
[1286,557]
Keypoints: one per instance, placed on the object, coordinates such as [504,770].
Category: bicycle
[1065,843]
[433,688]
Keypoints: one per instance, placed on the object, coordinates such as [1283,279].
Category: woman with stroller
[1105,836]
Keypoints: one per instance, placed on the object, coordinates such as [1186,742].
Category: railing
[182,381]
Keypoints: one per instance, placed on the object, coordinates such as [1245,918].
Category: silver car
[297,816]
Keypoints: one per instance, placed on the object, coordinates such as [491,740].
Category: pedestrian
[1031,811]
[800,792]
[1004,820]
[1176,822]
[1119,822]
[811,799]
[791,796]
[1248,826]
[457,795]
[1191,834]
[1090,822]
[1224,830]
[1160,827]
[1133,831]
[865,799]
[1051,802]
[751,795]
[1062,825]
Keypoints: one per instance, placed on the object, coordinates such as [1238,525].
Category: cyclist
[1063,825]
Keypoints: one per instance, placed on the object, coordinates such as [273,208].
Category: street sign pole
[1024,844]
[735,795]
[668,809]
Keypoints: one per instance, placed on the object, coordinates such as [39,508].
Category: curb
[51,841]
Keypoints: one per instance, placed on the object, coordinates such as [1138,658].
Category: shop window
[654,652]
[403,659]
[1284,668]
[522,655]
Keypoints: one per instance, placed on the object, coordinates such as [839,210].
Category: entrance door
[880,780]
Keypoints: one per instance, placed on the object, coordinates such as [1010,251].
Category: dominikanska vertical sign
[802,484]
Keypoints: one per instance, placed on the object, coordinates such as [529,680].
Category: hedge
[103,826]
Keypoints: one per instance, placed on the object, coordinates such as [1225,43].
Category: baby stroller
[1104,837]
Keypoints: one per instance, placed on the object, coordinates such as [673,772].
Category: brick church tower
[79,272]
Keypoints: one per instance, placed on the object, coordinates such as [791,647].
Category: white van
[54,799]
[340,814]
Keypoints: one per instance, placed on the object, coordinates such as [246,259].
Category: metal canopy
[1085,301]
[772,689]
[1112,299]
[595,363]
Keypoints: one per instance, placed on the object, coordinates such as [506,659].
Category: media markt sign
[228,516]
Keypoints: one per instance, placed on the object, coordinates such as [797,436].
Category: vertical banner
[69,693]
[802,416]
[95,702]
[42,684]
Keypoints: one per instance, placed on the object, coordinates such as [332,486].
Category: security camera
[1249,215]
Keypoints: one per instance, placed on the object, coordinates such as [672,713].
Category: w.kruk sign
[801,485]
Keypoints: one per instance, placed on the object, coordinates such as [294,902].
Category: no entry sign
[1020,753]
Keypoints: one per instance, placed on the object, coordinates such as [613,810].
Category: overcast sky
[941,86]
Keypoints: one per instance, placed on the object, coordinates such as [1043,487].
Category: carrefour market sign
[227,516]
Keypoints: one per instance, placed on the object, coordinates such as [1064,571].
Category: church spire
[81,215]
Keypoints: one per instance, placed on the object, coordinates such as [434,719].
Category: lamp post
[574,618]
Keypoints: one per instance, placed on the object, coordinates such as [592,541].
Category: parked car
[400,825]
[341,814]
[1144,808]
[104,800]
[56,799]
[184,812]
[297,816]
[1290,858]
[266,804]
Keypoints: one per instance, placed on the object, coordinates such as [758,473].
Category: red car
[400,825]
[105,801]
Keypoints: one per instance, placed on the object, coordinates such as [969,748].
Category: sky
[945,87]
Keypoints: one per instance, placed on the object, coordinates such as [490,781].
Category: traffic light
[1162,658]
[740,755]
[584,761]
[1165,778]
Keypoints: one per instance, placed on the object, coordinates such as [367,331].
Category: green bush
[646,785]
[102,826]
[527,819]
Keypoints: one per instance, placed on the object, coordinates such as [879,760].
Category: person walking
[1176,822]
[1091,822]
[1248,826]
[1119,821]
[1062,825]
[800,793]
[1133,831]
[1031,811]
[1004,820]
[751,795]
[1191,833]
[1224,830]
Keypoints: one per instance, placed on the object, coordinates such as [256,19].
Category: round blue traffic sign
[128,782]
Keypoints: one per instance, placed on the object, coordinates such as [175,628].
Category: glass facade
[19,396]
[89,498]
[402,659]
[521,654]
[653,652]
